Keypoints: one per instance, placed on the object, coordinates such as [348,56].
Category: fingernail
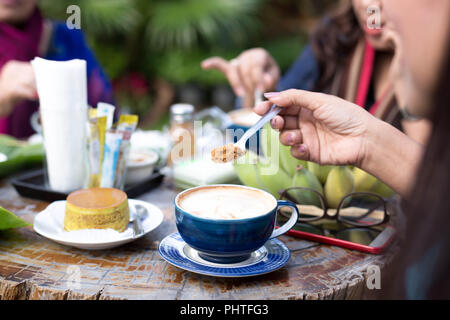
[289,138]
[273,122]
[302,148]
[271,94]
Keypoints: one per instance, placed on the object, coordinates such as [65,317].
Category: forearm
[418,130]
[392,156]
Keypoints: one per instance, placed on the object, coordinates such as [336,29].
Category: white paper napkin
[62,90]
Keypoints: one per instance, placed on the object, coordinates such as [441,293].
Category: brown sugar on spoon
[226,153]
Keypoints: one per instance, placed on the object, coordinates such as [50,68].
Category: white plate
[49,223]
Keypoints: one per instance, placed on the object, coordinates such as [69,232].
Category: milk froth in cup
[226,223]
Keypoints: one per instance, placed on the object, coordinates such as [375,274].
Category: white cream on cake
[226,203]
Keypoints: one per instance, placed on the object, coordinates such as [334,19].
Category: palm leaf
[99,18]
[183,24]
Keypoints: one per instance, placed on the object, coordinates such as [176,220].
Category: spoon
[273,111]
[139,213]
[231,151]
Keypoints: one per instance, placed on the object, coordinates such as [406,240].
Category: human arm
[392,156]
[331,131]
[419,130]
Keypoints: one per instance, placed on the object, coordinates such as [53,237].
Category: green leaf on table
[9,220]
[9,144]
[21,155]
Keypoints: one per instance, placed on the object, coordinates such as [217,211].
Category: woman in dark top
[25,34]
[348,56]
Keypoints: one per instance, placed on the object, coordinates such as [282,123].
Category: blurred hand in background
[17,83]
[253,70]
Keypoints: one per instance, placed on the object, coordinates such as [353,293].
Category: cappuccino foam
[226,203]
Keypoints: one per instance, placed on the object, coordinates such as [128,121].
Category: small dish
[140,165]
[270,257]
[49,223]
[242,120]
[244,117]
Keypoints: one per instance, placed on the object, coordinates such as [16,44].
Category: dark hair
[333,41]
[427,210]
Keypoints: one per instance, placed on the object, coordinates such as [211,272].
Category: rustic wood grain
[32,267]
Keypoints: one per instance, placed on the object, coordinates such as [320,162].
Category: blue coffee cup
[231,240]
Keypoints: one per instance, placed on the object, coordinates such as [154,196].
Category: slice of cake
[97,208]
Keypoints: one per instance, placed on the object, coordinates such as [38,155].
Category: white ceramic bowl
[3,157]
[244,117]
[140,165]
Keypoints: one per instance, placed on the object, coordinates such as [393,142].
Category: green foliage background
[169,38]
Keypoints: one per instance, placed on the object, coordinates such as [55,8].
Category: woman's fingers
[299,98]
[300,151]
[291,137]
[277,123]
[24,92]
[234,78]
[229,69]
[262,107]
[216,63]
[285,122]
[269,81]
[290,122]
[256,75]
[271,75]
[245,68]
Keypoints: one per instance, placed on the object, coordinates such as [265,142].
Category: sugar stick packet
[113,141]
[92,113]
[93,153]
[96,144]
[126,125]
[106,109]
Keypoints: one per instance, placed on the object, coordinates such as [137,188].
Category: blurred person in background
[25,34]
[329,130]
[349,56]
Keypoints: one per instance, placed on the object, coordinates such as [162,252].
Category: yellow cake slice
[97,208]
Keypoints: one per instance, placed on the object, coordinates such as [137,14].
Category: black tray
[32,185]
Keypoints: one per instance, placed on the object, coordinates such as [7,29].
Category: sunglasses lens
[362,210]
[309,203]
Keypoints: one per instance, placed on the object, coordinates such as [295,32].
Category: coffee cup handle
[290,223]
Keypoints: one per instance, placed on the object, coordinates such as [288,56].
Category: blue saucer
[270,257]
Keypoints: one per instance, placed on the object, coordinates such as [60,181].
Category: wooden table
[32,267]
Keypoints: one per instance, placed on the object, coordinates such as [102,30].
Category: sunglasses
[358,209]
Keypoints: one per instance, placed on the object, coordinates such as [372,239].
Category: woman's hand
[17,83]
[329,130]
[253,69]
[320,128]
